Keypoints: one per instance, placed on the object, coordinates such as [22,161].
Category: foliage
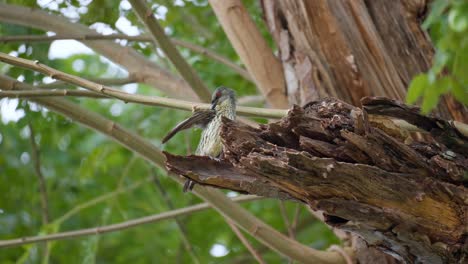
[80,165]
[448,27]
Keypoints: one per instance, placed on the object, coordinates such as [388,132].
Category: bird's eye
[218,94]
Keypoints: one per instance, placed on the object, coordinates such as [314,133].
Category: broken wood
[403,194]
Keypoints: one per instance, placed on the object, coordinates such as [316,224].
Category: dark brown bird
[223,103]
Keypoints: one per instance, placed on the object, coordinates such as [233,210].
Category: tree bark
[353,48]
[403,196]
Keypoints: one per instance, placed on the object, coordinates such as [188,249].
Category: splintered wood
[403,192]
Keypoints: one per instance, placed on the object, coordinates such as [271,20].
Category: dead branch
[406,196]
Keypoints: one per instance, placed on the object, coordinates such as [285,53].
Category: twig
[37,168]
[35,154]
[295,219]
[157,33]
[126,97]
[136,64]
[178,221]
[340,250]
[210,54]
[51,93]
[284,214]
[262,232]
[174,103]
[103,81]
[141,99]
[90,37]
[99,199]
[116,227]
[244,241]
[251,99]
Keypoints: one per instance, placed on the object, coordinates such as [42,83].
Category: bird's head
[220,95]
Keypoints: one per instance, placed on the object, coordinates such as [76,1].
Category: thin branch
[135,63]
[157,33]
[42,183]
[296,219]
[180,225]
[244,241]
[78,208]
[183,105]
[36,158]
[90,37]
[284,214]
[210,54]
[251,99]
[113,227]
[51,93]
[340,250]
[126,97]
[103,81]
[264,233]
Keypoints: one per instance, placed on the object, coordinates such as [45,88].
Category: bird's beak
[214,102]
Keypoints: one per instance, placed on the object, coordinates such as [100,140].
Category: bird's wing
[200,118]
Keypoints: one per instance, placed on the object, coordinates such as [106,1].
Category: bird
[223,104]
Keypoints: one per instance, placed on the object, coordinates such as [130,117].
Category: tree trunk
[352,48]
[404,197]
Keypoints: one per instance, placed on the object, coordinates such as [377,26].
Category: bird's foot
[188,185]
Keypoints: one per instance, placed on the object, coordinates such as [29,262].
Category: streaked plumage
[223,103]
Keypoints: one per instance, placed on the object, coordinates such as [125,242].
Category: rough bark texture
[403,195]
[352,48]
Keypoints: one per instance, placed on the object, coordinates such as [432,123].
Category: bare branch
[114,227]
[103,81]
[210,54]
[264,233]
[287,223]
[99,199]
[178,221]
[329,156]
[137,65]
[126,97]
[37,168]
[244,241]
[251,99]
[157,32]
[397,123]
[146,100]
[50,93]
[42,187]
[253,50]
[89,37]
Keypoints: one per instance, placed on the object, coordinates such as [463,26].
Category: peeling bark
[405,196]
[350,49]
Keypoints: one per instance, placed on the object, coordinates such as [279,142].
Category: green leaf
[458,20]
[437,8]
[460,93]
[416,88]
[430,99]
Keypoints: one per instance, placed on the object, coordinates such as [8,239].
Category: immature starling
[223,103]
